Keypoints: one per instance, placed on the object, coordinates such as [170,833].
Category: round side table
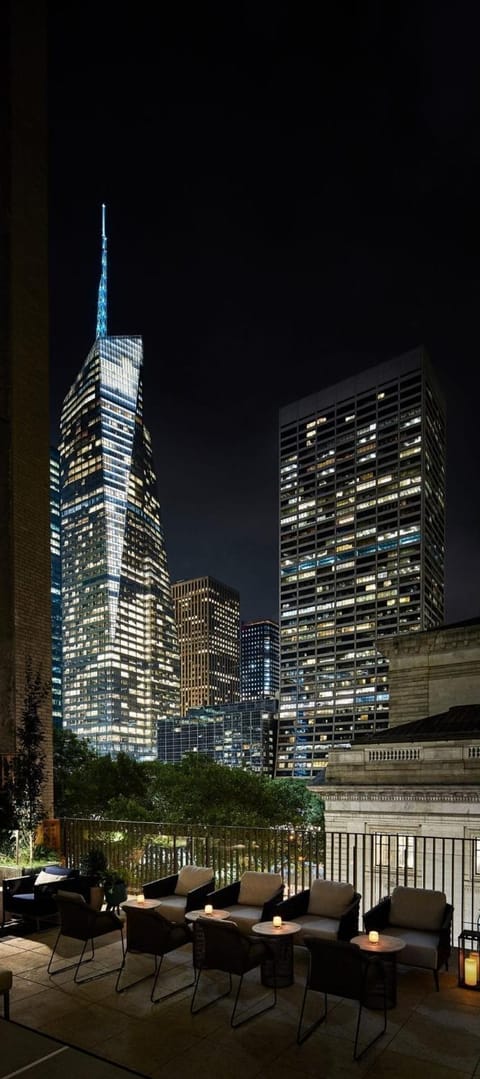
[278,969]
[386,949]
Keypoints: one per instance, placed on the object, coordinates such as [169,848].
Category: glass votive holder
[373,936]
[208,909]
[140,898]
[277,921]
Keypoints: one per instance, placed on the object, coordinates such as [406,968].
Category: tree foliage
[195,791]
[27,775]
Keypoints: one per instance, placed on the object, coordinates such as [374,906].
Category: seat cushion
[172,907]
[329,898]
[257,888]
[420,947]
[192,876]
[244,916]
[417,908]
[316,926]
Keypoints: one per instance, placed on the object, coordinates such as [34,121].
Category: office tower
[56,589]
[362,511]
[259,659]
[207,614]
[241,735]
[120,652]
[25,609]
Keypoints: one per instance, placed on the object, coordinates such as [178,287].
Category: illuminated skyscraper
[120,651]
[259,659]
[362,524]
[207,614]
[56,587]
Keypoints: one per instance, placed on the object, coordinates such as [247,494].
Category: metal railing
[373,863]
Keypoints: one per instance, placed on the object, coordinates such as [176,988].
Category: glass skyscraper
[120,651]
[207,615]
[362,530]
[259,659]
[56,587]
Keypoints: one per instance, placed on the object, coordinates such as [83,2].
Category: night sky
[292,196]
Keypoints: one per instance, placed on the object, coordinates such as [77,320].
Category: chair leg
[6,1004]
[69,966]
[194,1011]
[302,1035]
[356,1055]
[157,1000]
[254,1015]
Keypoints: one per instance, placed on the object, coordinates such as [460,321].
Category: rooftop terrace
[428,1033]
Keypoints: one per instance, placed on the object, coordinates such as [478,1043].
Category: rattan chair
[253,898]
[340,968]
[80,921]
[149,933]
[222,946]
[423,919]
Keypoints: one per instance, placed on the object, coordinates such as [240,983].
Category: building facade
[259,659]
[362,525]
[56,587]
[25,609]
[120,652]
[241,735]
[207,615]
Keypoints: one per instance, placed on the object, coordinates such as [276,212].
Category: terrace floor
[429,1034]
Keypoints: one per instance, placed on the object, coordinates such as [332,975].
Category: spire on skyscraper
[102,288]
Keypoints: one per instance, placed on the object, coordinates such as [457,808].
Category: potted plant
[94,865]
[115,890]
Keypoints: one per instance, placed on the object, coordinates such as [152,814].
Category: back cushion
[417,908]
[192,876]
[257,888]
[51,874]
[329,898]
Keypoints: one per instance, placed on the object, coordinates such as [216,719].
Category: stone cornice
[433,640]
[470,795]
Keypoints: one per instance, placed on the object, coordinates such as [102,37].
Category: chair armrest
[24,885]
[445,932]
[270,907]
[295,906]
[348,927]
[378,917]
[155,889]
[196,896]
[104,920]
[224,897]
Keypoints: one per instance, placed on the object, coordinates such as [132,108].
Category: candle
[471,970]
[141,898]
[208,909]
[373,936]
[277,921]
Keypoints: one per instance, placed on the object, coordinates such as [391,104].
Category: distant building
[241,735]
[362,507]
[25,608]
[207,615]
[120,651]
[56,587]
[259,659]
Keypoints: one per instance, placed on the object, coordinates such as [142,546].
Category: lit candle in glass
[373,936]
[141,898]
[277,921]
[471,970]
[208,909]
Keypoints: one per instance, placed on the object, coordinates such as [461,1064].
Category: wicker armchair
[80,921]
[149,933]
[224,947]
[181,892]
[253,898]
[328,910]
[423,919]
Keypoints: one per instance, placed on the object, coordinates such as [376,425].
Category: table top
[133,904]
[384,944]
[268,929]
[218,914]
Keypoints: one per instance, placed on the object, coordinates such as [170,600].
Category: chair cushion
[316,926]
[51,874]
[420,947]
[172,907]
[257,888]
[244,916]
[417,908]
[71,897]
[329,898]
[192,876]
